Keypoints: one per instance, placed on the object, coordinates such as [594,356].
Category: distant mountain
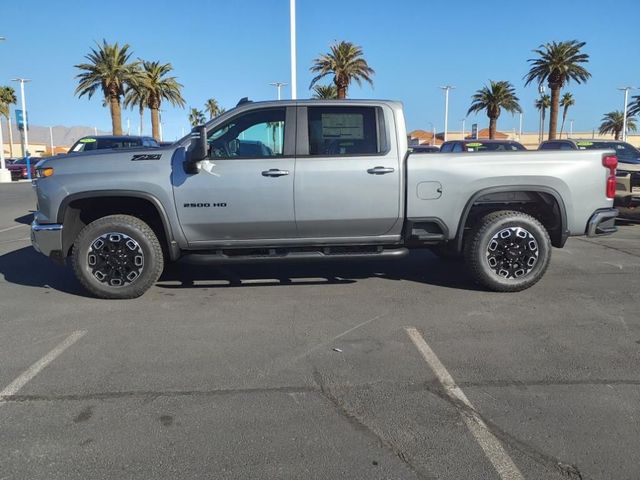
[62,136]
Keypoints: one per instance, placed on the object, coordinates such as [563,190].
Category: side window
[346,131]
[446,148]
[457,147]
[551,146]
[255,134]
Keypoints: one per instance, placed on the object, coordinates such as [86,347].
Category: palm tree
[613,122]
[325,91]
[8,98]
[346,62]
[542,104]
[156,87]
[110,71]
[558,64]
[212,108]
[493,98]
[566,102]
[196,117]
[634,105]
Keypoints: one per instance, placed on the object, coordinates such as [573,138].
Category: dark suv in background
[454,146]
[627,173]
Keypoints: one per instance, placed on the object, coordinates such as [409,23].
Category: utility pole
[294,78]
[279,86]
[51,140]
[25,123]
[446,89]
[624,120]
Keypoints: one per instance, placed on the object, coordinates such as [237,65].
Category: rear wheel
[117,256]
[508,251]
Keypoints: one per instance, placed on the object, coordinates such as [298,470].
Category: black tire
[508,251]
[128,251]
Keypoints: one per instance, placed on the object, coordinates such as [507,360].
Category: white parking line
[37,367]
[12,228]
[491,446]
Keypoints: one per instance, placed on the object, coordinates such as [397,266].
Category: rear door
[347,180]
[244,190]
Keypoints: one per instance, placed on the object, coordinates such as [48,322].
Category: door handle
[380,170]
[275,172]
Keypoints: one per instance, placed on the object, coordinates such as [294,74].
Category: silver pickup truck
[309,180]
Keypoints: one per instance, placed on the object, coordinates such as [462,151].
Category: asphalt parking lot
[371,370]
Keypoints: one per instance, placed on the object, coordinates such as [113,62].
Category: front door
[244,190]
[347,173]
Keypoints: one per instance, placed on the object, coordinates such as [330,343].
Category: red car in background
[18,168]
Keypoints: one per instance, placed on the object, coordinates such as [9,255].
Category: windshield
[626,152]
[493,147]
[86,144]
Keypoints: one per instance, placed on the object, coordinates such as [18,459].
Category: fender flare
[513,188]
[172,245]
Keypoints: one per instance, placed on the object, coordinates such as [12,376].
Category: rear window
[344,131]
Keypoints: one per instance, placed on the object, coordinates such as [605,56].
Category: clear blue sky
[231,49]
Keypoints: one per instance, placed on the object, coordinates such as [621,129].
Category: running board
[269,255]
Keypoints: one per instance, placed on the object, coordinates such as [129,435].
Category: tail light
[23,171]
[611,162]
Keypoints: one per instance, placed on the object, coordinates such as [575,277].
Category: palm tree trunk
[342,91]
[116,115]
[155,123]
[553,111]
[616,134]
[141,120]
[492,127]
[564,117]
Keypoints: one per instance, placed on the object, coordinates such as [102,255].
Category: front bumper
[602,222]
[47,238]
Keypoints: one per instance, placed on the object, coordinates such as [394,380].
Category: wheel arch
[558,235]
[126,202]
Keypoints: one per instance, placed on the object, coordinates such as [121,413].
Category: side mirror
[197,150]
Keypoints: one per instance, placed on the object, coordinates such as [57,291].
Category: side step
[269,255]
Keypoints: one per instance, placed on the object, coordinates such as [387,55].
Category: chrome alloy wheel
[512,252]
[115,259]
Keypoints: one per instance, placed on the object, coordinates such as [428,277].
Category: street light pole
[520,129]
[279,85]
[446,89]
[571,128]
[624,120]
[541,129]
[294,79]
[51,140]
[463,120]
[25,123]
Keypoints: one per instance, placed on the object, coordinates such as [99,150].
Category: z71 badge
[146,156]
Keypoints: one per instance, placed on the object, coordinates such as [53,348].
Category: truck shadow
[27,267]
[418,266]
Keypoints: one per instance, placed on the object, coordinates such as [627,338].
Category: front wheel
[508,251]
[117,256]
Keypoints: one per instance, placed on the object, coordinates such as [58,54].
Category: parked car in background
[18,168]
[627,173]
[103,142]
[454,146]
[424,149]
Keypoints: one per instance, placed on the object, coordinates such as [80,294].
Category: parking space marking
[499,458]
[12,228]
[37,367]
